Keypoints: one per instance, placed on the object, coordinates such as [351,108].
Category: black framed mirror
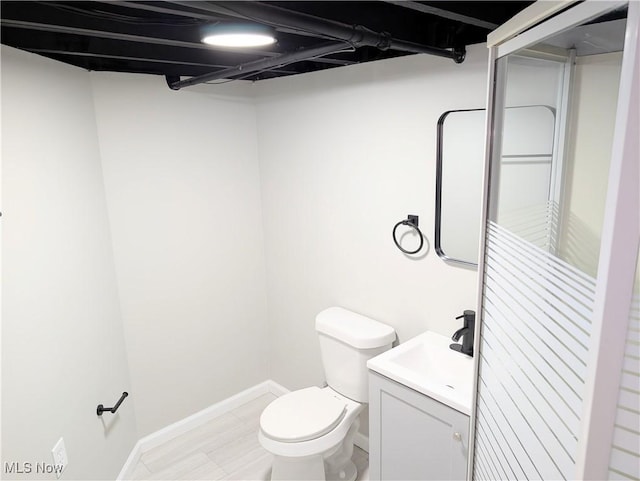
[459,164]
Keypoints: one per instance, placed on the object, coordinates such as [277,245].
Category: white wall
[330,163]
[63,348]
[182,183]
[344,155]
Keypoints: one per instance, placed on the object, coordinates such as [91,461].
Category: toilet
[310,432]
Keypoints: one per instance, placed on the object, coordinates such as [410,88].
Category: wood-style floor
[225,448]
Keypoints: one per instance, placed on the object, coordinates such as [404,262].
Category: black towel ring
[410,221]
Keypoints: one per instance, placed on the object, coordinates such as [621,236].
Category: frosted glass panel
[536,321]
[625,450]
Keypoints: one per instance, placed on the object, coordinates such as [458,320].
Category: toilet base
[334,465]
[311,468]
[295,469]
[347,473]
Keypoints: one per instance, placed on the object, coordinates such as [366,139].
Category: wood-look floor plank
[236,448]
[175,449]
[242,460]
[182,469]
[226,447]
[257,470]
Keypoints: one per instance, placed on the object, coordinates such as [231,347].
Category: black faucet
[466,332]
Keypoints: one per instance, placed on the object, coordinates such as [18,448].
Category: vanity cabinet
[412,436]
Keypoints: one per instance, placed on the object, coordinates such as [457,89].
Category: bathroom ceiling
[164,37]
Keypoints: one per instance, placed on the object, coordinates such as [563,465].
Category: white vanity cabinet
[412,436]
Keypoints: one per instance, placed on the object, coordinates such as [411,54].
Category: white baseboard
[130,464]
[277,389]
[201,417]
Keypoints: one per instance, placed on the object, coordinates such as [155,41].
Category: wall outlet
[59,453]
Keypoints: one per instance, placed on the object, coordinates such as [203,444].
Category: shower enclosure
[558,367]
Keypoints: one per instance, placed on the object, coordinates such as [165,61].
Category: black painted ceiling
[163,37]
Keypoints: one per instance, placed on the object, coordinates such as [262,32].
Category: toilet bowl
[310,431]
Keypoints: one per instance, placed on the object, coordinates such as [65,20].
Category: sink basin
[427,365]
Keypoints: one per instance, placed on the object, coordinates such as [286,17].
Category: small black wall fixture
[410,221]
[102,409]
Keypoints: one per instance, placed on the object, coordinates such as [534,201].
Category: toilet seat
[302,415]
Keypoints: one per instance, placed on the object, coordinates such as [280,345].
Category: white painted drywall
[594,101]
[331,162]
[63,349]
[344,155]
[182,184]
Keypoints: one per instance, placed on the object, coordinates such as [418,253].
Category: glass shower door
[550,214]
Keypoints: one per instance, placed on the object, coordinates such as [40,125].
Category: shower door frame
[621,226]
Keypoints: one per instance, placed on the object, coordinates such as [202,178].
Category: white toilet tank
[347,341]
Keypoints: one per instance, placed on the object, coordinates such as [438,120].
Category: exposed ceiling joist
[164,37]
[193,14]
[144,39]
[142,59]
[127,37]
[440,12]
[346,35]
[357,36]
[259,65]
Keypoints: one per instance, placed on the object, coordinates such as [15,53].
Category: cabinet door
[413,437]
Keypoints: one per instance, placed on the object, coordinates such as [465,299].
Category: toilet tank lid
[354,329]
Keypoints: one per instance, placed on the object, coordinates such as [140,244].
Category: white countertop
[427,365]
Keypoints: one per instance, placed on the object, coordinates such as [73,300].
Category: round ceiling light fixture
[239,35]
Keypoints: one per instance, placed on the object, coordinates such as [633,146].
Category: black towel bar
[102,409]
